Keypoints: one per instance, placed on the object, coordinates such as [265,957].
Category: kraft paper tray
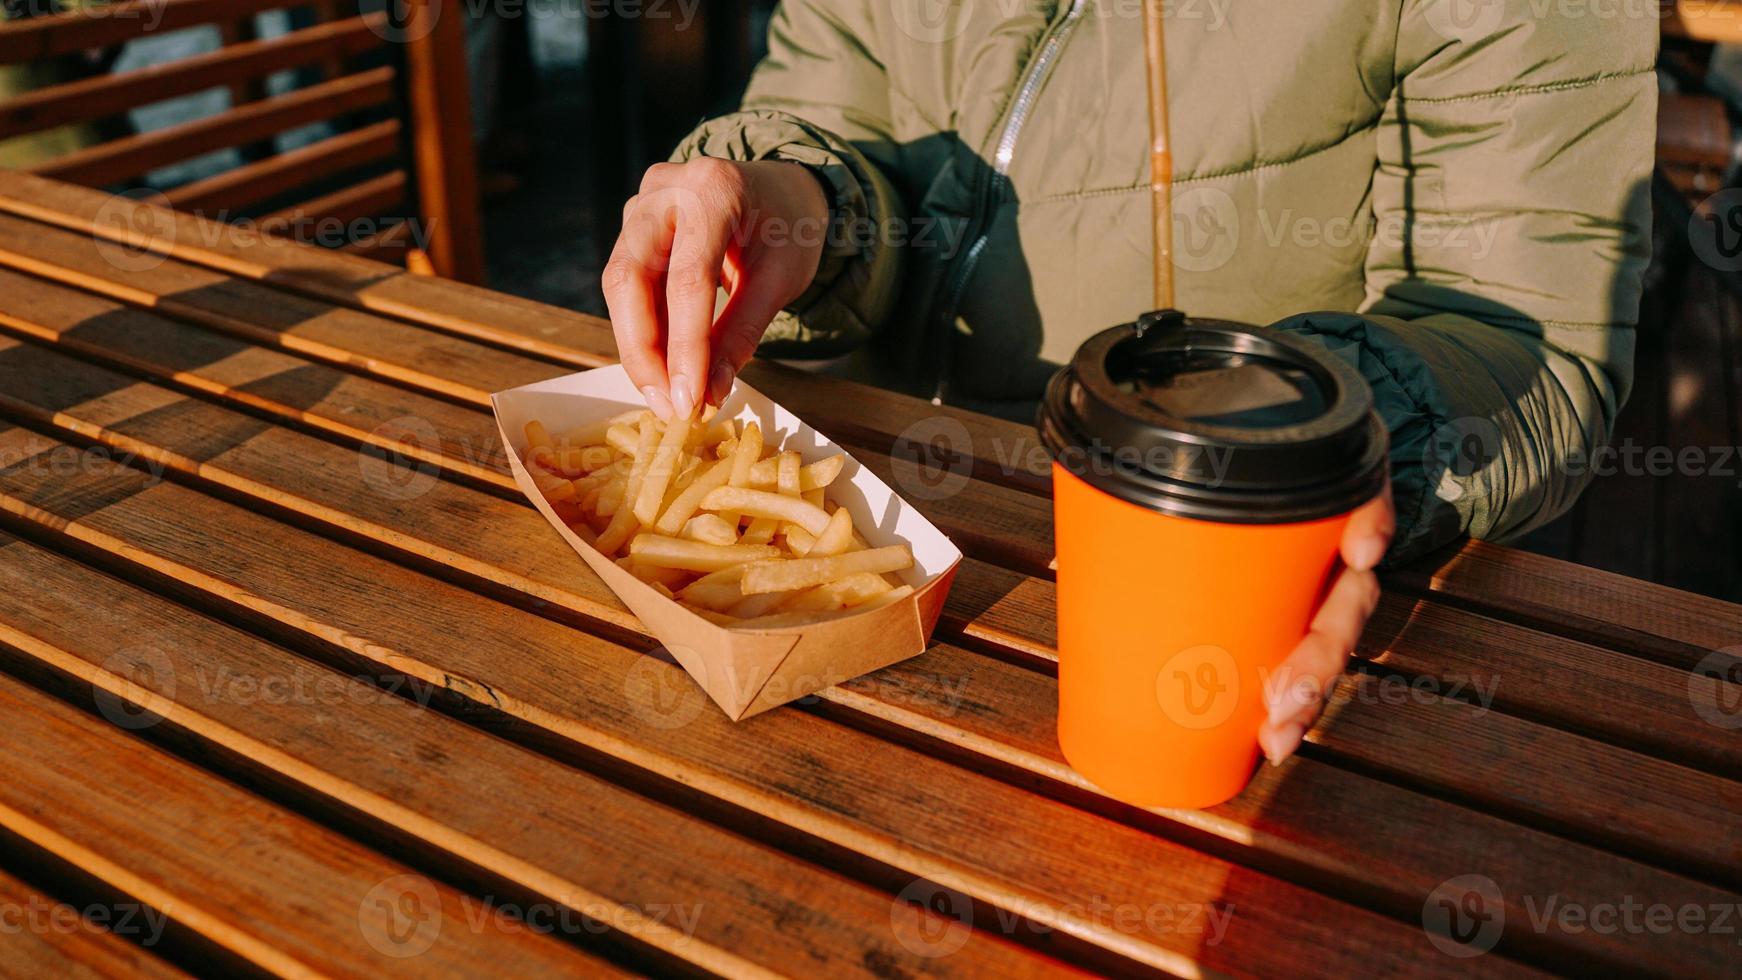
[749,671]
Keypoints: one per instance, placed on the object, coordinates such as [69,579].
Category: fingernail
[1280,743]
[719,382]
[683,403]
[657,401]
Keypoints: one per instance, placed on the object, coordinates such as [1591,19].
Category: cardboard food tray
[747,671]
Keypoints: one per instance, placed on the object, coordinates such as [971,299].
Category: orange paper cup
[1203,474]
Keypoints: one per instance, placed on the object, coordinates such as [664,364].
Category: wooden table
[292,671]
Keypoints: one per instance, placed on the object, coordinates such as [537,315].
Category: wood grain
[227,865]
[901,808]
[1571,600]
[668,880]
[47,938]
[111,94]
[131,156]
[303,475]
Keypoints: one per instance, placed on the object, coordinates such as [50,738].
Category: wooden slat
[669,880]
[1013,527]
[365,411]
[35,38]
[999,451]
[46,938]
[998,523]
[252,183]
[108,163]
[309,458]
[1304,812]
[107,95]
[388,245]
[227,865]
[269,317]
[897,807]
[1558,596]
[369,198]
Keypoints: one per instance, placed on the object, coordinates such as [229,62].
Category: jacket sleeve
[820,99]
[1512,230]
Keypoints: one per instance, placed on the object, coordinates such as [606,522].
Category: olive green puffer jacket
[1461,187]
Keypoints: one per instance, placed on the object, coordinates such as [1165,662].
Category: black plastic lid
[1216,420]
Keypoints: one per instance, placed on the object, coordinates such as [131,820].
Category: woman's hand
[1295,695]
[758,228]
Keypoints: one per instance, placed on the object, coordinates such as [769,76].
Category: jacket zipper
[1020,107]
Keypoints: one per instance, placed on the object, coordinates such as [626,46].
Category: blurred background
[497,146]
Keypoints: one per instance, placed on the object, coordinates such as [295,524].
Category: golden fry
[846,592]
[761,503]
[798,540]
[684,506]
[802,573]
[786,473]
[709,529]
[760,531]
[837,538]
[654,549]
[661,470]
[623,522]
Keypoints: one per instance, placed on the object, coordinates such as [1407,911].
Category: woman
[1459,183]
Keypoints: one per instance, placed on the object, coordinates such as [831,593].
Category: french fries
[709,514]
[802,573]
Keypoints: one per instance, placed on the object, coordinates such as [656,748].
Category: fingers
[709,207]
[1369,531]
[631,283]
[741,325]
[1296,692]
